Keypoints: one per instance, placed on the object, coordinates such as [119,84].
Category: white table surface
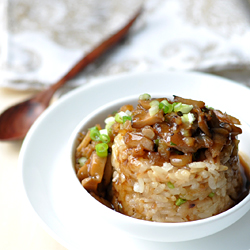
[19,227]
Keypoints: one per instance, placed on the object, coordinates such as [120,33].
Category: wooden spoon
[17,120]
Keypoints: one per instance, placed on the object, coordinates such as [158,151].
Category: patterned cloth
[46,38]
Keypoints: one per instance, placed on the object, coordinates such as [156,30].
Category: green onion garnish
[109,122]
[94,134]
[126,118]
[153,110]
[188,118]
[156,141]
[110,119]
[154,107]
[118,118]
[82,161]
[99,135]
[211,195]
[154,103]
[102,149]
[103,131]
[180,201]
[145,97]
[166,106]
[108,127]
[172,144]
[209,107]
[183,108]
[165,102]
[128,112]
[104,138]
[170,185]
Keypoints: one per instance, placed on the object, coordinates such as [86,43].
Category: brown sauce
[245,172]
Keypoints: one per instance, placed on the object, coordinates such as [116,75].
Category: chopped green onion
[145,97]
[209,107]
[94,134]
[161,105]
[154,103]
[102,149]
[188,118]
[156,141]
[126,118]
[172,144]
[110,119]
[185,132]
[186,108]
[129,113]
[103,131]
[170,185]
[118,118]
[104,138]
[154,107]
[183,108]
[153,110]
[165,102]
[180,201]
[166,106]
[109,122]
[211,195]
[82,161]
[108,127]
[177,106]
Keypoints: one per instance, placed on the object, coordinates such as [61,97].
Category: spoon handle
[86,60]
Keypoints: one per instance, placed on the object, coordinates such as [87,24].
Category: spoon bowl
[17,120]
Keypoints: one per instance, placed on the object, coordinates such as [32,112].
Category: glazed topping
[178,131]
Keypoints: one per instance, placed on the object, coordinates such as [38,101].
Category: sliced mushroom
[214,121]
[148,132]
[219,140]
[202,123]
[163,149]
[83,172]
[143,119]
[180,160]
[145,103]
[108,172]
[90,184]
[226,118]
[84,143]
[97,166]
[236,130]
[187,144]
[124,108]
[132,140]
[221,131]
[197,104]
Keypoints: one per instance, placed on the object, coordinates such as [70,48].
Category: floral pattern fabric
[42,40]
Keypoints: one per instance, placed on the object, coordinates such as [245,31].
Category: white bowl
[155,231]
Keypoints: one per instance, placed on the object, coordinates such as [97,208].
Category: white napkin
[46,38]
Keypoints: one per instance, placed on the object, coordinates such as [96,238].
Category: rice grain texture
[145,191]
